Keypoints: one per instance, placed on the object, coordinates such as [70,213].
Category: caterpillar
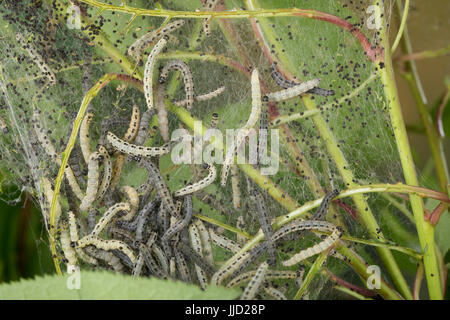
[107,245]
[48,193]
[109,214]
[236,191]
[274,293]
[148,72]
[135,150]
[84,136]
[69,252]
[163,120]
[194,257]
[151,263]
[253,118]
[108,257]
[73,232]
[224,242]
[212,173]
[92,183]
[133,200]
[117,171]
[316,249]
[292,91]
[138,47]
[187,78]
[240,224]
[202,97]
[161,188]
[38,59]
[209,6]
[196,245]
[133,127]
[284,83]
[204,236]
[137,269]
[107,173]
[265,226]
[144,126]
[325,205]
[270,275]
[182,267]
[159,253]
[229,268]
[179,224]
[256,281]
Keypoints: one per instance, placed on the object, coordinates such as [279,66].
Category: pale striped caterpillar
[316,249]
[224,242]
[324,205]
[212,173]
[117,170]
[108,257]
[51,152]
[135,150]
[228,269]
[162,259]
[284,83]
[3,125]
[274,293]
[236,191]
[151,263]
[69,252]
[92,183]
[38,59]
[256,281]
[196,245]
[202,97]
[109,214]
[84,136]
[253,118]
[265,226]
[161,188]
[138,47]
[133,127]
[148,72]
[204,236]
[182,267]
[107,245]
[48,193]
[240,224]
[179,224]
[292,91]
[163,120]
[107,173]
[123,235]
[187,78]
[137,270]
[270,275]
[73,231]
[209,6]
[133,200]
[144,127]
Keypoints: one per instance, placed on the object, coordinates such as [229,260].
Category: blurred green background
[24,250]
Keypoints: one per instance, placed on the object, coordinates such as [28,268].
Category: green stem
[401,28]
[351,293]
[424,229]
[320,260]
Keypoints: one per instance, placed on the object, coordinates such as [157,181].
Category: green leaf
[105,285]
